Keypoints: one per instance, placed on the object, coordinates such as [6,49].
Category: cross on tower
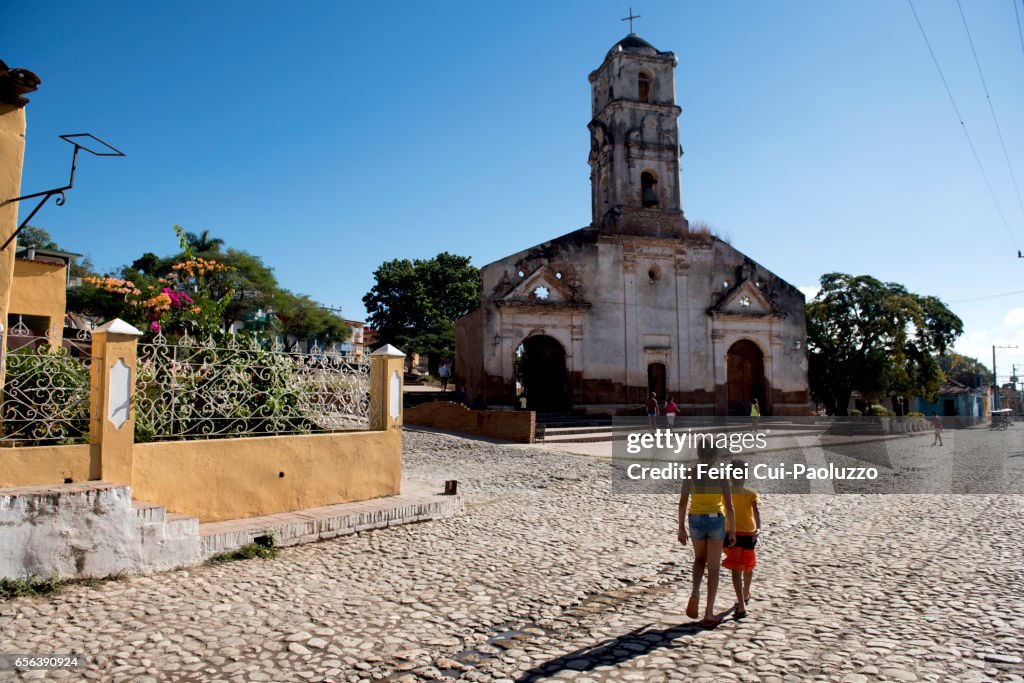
[630,19]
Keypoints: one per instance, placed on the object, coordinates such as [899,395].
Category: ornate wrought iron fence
[198,389]
[46,388]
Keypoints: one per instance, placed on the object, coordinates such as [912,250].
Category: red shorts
[740,559]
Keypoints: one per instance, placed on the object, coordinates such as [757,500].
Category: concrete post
[387,365]
[112,387]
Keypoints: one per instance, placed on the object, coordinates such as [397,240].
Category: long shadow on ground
[636,643]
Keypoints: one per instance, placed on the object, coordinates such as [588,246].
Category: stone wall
[518,426]
[89,530]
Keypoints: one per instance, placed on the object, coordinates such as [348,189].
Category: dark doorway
[745,377]
[540,369]
[656,379]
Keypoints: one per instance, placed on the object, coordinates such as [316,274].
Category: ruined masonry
[636,301]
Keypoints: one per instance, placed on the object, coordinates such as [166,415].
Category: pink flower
[155,326]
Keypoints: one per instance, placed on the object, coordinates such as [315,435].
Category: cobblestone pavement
[549,574]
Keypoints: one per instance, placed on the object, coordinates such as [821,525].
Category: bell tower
[634,142]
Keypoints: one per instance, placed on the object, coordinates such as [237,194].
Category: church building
[635,302]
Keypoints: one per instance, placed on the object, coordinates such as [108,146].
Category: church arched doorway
[745,377]
[541,372]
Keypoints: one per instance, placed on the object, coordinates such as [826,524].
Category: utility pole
[995,377]
[1017,393]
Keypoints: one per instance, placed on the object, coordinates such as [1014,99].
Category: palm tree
[202,243]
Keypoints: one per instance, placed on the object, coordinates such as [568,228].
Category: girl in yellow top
[710,502]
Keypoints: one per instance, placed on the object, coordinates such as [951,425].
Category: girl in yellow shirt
[710,505]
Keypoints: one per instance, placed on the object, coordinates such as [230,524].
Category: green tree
[36,238]
[250,283]
[964,369]
[203,243]
[303,318]
[875,338]
[414,304]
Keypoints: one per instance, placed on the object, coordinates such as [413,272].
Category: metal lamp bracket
[80,141]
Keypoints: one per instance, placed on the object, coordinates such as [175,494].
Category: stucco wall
[234,478]
[623,319]
[38,465]
[39,288]
[12,155]
[88,529]
[469,361]
[518,426]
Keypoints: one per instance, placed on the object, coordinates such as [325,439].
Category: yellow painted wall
[39,288]
[234,478]
[37,465]
[12,155]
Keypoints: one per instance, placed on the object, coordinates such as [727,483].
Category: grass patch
[262,546]
[34,585]
[30,585]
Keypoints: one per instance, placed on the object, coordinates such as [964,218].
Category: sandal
[710,622]
[693,607]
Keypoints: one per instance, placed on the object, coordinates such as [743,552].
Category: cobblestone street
[547,573]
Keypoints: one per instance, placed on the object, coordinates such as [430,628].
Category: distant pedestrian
[444,373]
[937,426]
[755,414]
[740,557]
[670,411]
[652,409]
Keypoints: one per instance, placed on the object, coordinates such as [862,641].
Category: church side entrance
[541,372]
[745,377]
[656,380]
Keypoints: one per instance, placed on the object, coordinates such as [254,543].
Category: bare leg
[714,564]
[748,576]
[699,562]
[737,584]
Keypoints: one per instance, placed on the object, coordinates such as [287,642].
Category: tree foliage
[216,287]
[203,243]
[36,238]
[301,317]
[964,369]
[414,304]
[875,337]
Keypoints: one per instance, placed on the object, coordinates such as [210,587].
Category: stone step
[414,504]
[588,437]
[180,527]
[148,512]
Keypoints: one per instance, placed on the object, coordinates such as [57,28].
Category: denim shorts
[707,526]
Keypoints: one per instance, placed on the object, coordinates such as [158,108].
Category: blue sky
[328,137]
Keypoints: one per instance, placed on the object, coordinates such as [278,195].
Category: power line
[991,107]
[1020,31]
[963,126]
[985,298]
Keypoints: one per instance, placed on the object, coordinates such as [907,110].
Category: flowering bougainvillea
[178,302]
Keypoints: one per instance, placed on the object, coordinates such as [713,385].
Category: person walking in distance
[670,412]
[444,373]
[652,410]
[755,414]
[937,426]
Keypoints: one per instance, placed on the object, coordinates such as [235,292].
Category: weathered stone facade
[594,320]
